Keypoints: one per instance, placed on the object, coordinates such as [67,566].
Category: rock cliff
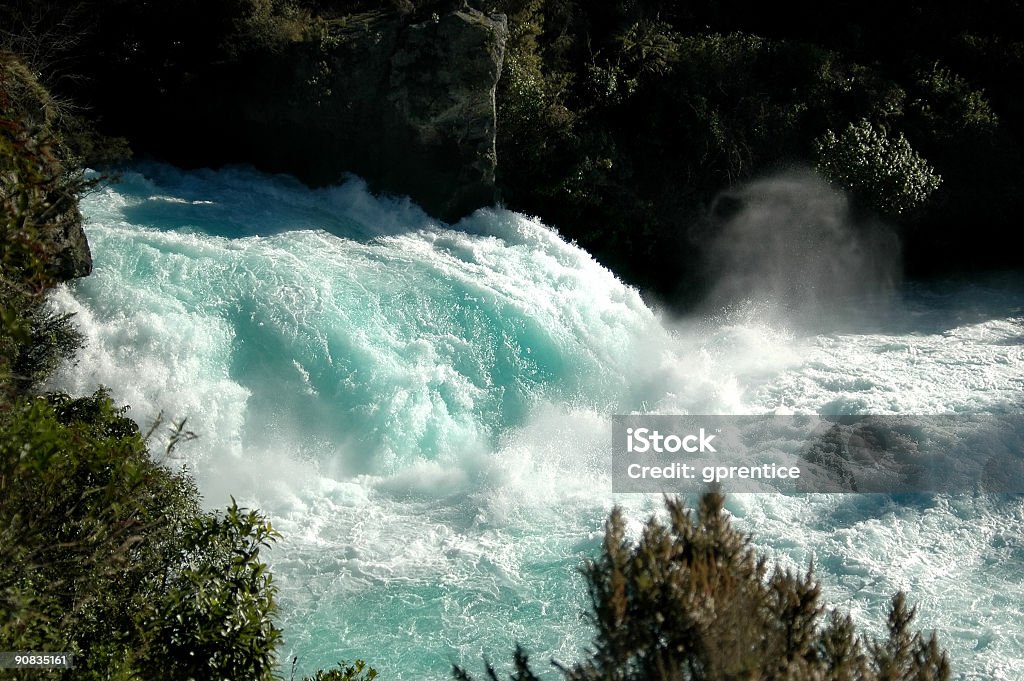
[405,101]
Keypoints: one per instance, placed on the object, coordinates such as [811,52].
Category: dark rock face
[440,98]
[72,257]
[407,103]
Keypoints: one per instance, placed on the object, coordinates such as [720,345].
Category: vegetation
[38,206]
[357,671]
[865,160]
[106,553]
[691,600]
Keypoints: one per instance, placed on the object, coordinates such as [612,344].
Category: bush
[691,601]
[106,554]
[883,170]
[216,617]
[88,523]
[49,338]
[949,107]
[357,671]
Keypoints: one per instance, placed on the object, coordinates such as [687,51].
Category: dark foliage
[357,671]
[106,554]
[38,217]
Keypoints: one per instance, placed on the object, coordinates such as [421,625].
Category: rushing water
[423,411]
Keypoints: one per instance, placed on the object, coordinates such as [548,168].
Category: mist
[792,246]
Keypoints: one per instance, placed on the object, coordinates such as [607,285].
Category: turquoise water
[423,410]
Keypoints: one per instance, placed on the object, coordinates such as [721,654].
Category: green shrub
[38,194]
[357,671]
[107,554]
[881,169]
[949,107]
[691,600]
[87,524]
[51,338]
[216,617]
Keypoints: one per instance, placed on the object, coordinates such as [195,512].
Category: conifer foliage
[692,601]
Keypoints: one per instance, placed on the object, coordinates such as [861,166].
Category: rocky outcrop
[441,103]
[405,101]
[72,257]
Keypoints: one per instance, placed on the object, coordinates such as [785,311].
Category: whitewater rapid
[424,411]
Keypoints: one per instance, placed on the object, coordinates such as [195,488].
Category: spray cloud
[793,245]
